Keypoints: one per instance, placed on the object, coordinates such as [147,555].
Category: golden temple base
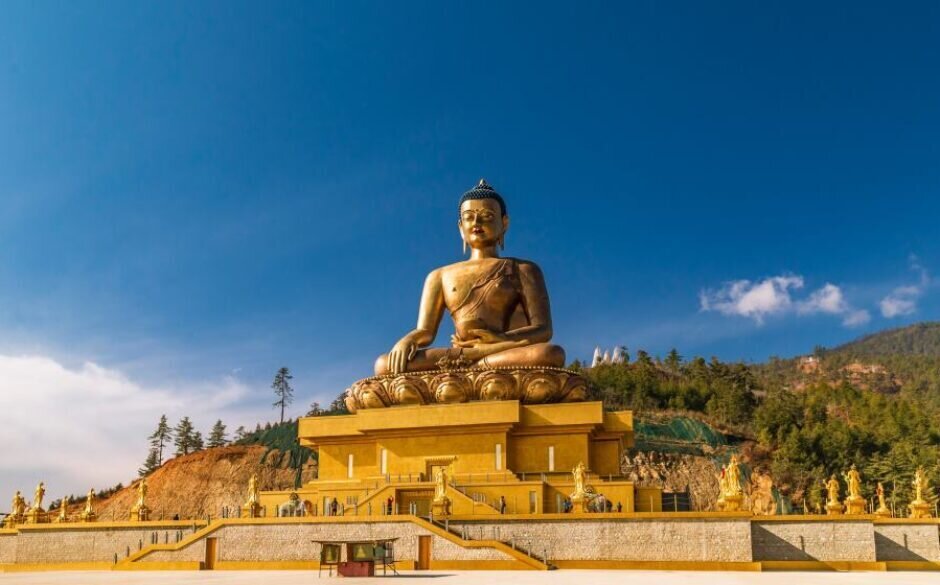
[834,509]
[500,456]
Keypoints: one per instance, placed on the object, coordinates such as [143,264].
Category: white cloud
[755,300]
[84,427]
[830,300]
[856,318]
[901,301]
[774,296]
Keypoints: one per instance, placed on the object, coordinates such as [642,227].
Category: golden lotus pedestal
[731,503]
[579,503]
[36,516]
[527,384]
[883,512]
[834,509]
[89,517]
[920,509]
[12,520]
[140,514]
[854,506]
[252,510]
[441,508]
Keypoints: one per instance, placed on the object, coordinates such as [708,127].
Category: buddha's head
[483,220]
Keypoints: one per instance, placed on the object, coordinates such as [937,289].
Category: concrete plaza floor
[467,578]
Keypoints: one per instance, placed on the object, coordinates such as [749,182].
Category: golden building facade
[500,456]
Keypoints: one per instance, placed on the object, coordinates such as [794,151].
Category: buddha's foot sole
[527,384]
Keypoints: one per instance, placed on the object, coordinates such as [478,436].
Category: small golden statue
[761,499]
[920,508]
[854,502]
[441,503]
[88,512]
[140,512]
[730,496]
[583,494]
[17,510]
[833,505]
[883,509]
[36,514]
[63,511]
[501,348]
[252,507]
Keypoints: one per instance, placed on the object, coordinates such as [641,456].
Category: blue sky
[194,194]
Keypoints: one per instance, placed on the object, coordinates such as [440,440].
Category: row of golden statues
[23,513]
[731,496]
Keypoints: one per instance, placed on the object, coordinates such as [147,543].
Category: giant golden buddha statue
[503,327]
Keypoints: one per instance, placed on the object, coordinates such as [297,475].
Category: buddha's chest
[481,288]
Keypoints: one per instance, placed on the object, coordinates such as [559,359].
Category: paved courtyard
[468,578]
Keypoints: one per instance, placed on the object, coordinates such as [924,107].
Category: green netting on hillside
[676,435]
[281,440]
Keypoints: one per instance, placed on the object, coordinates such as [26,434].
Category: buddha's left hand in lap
[485,342]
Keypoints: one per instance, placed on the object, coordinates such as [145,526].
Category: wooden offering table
[361,556]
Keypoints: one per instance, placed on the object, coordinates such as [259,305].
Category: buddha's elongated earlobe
[464,246]
[502,242]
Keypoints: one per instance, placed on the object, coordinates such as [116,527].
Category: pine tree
[217,436]
[240,433]
[338,406]
[198,444]
[184,437]
[283,390]
[160,437]
[315,409]
[673,361]
[150,464]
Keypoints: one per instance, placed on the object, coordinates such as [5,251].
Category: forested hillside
[920,339]
[874,402]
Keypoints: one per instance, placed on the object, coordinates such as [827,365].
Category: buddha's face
[481,224]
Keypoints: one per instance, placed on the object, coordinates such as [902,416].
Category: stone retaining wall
[83,544]
[660,538]
[907,542]
[80,543]
[633,539]
[8,548]
[813,540]
[294,542]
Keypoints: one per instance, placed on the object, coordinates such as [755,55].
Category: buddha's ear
[505,224]
[462,237]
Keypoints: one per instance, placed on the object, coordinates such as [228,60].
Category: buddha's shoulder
[463,265]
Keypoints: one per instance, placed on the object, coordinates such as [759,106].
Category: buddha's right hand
[401,354]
